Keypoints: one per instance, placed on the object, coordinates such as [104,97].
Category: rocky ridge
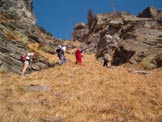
[136,40]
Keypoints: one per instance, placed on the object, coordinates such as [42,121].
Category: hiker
[79,55]
[27,61]
[105,62]
[61,54]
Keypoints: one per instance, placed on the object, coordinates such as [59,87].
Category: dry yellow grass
[88,93]
[34,47]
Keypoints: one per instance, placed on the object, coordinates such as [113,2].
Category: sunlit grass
[88,93]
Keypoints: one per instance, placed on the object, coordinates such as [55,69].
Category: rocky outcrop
[81,31]
[19,11]
[14,43]
[151,12]
[10,53]
[17,31]
[127,39]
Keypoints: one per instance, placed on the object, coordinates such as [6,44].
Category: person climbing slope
[105,62]
[106,57]
[79,55]
[27,61]
[60,54]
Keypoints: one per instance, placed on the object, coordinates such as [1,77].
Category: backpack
[59,51]
[23,58]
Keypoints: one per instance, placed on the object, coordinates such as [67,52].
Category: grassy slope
[88,93]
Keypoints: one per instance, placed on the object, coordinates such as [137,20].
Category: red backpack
[23,58]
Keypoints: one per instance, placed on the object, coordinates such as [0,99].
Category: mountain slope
[88,93]
[73,93]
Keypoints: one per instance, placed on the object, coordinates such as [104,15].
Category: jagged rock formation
[151,12]
[17,30]
[81,31]
[135,40]
[19,11]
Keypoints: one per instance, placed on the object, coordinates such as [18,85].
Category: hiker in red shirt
[78,55]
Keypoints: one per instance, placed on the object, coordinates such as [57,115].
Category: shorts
[26,62]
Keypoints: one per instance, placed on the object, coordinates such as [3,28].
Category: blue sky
[60,16]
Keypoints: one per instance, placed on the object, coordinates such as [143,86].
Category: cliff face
[19,10]
[17,33]
[135,41]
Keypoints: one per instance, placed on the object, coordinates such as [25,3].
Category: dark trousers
[105,64]
[62,59]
